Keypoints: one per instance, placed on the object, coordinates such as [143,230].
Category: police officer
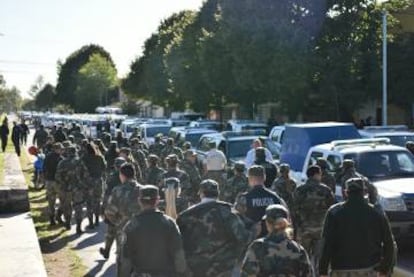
[310,203]
[151,244]
[357,237]
[253,204]
[235,185]
[112,182]
[215,164]
[285,186]
[214,236]
[276,254]
[327,178]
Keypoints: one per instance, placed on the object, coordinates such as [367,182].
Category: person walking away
[111,155]
[112,182]
[253,203]
[60,136]
[52,189]
[96,165]
[154,174]
[235,185]
[174,171]
[251,155]
[72,178]
[4,134]
[215,164]
[25,132]
[213,235]
[327,178]
[276,254]
[16,135]
[285,186]
[123,205]
[152,243]
[310,204]
[357,237]
[173,204]
[270,168]
[189,165]
[40,137]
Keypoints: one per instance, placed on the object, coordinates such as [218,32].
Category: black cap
[323,164]
[260,152]
[172,181]
[284,168]
[209,185]
[239,166]
[355,184]
[149,192]
[276,211]
[348,163]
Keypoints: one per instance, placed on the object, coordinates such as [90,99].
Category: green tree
[68,72]
[94,81]
[44,99]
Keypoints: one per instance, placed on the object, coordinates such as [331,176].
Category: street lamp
[384,65]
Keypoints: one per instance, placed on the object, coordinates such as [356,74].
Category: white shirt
[251,157]
[215,160]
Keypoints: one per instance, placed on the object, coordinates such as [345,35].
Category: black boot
[67,225]
[79,228]
[104,252]
[59,217]
[90,219]
[96,220]
[52,220]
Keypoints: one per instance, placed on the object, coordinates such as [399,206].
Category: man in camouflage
[189,166]
[285,186]
[125,153]
[327,178]
[112,182]
[157,147]
[310,204]
[170,149]
[174,171]
[154,173]
[276,254]
[72,177]
[213,236]
[123,204]
[139,155]
[234,185]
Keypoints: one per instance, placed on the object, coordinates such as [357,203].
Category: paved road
[406,256]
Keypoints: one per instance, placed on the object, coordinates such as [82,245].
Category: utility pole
[384,69]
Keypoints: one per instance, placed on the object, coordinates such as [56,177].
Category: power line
[25,62]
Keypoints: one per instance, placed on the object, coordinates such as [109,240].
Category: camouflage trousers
[72,201]
[110,236]
[354,273]
[52,193]
[149,275]
[93,197]
[217,175]
[311,241]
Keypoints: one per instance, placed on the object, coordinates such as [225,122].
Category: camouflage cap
[153,158]
[71,150]
[209,185]
[134,141]
[149,192]
[275,211]
[66,143]
[57,146]
[323,164]
[159,135]
[118,162]
[125,150]
[348,163]
[284,168]
[172,181]
[171,159]
[114,143]
[187,145]
[239,166]
[355,184]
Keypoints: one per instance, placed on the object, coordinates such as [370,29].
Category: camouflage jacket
[139,156]
[156,148]
[213,237]
[168,150]
[329,180]
[276,255]
[123,203]
[285,188]
[186,188]
[233,187]
[153,176]
[194,175]
[112,182]
[310,204]
[71,173]
[371,189]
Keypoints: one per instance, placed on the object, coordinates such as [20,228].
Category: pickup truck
[389,167]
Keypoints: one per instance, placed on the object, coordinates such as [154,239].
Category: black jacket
[356,235]
[50,166]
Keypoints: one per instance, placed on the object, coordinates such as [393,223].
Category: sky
[34,34]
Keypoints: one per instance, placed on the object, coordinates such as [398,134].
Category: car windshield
[239,148]
[193,138]
[273,148]
[400,140]
[384,164]
[153,131]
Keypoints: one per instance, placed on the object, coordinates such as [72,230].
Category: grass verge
[59,259]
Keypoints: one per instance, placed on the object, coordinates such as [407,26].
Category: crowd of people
[172,214]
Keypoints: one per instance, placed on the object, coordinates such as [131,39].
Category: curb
[399,272]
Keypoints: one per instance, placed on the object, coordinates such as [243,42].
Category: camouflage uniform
[72,175]
[157,147]
[310,204]
[285,188]
[139,156]
[234,187]
[276,255]
[195,179]
[213,236]
[154,175]
[327,178]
